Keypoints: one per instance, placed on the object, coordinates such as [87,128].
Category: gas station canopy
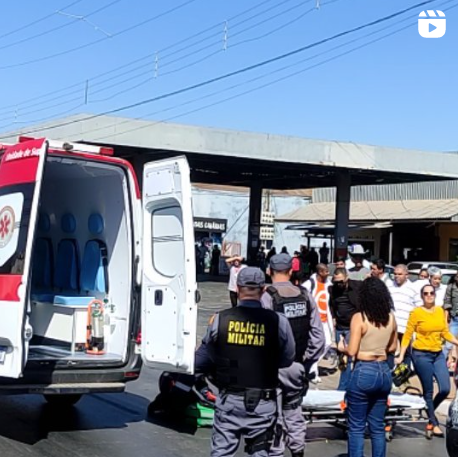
[218,156]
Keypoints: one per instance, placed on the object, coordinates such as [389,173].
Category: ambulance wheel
[63,401]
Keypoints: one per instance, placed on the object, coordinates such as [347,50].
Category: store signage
[210,225]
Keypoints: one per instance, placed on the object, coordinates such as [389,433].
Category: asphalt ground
[116,425]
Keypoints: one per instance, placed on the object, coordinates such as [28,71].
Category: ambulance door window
[15,204]
[167,240]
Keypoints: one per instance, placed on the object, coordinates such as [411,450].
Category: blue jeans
[453,327]
[344,375]
[430,365]
[367,397]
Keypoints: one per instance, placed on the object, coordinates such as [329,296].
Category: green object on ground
[199,415]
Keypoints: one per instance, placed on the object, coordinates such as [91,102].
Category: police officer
[299,307]
[244,348]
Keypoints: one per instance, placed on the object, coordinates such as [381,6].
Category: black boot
[298,454]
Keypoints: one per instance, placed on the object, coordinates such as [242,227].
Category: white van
[76,231]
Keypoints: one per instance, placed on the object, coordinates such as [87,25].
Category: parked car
[389,270]
[448,269]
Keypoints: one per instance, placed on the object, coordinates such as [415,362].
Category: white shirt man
[404,296]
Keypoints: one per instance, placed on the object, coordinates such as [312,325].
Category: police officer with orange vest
[301,311]
[244,348]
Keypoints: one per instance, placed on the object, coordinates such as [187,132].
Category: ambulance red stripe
[9,285]
[20,162]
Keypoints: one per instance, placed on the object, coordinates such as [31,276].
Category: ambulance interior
[83,251]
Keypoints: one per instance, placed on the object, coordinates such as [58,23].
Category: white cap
[356,249]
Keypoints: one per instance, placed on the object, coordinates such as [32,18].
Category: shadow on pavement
[29,419]
[166,421]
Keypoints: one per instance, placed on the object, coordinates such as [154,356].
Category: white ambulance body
[75,228]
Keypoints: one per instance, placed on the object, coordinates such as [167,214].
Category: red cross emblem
[6,225]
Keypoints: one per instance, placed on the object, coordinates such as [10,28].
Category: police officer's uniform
[300,309]
[244,348]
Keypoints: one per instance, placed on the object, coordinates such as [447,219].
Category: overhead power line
[55,29]
[148,58]
[92,43]
[257,78]
[247,92]
[236,72]
[18,109]
[37,21]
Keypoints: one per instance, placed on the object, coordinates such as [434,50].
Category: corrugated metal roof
[400,210]
[306,193]
[436,190]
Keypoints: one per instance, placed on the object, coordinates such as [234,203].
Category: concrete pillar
[390,249]
[342,213]
[254,222]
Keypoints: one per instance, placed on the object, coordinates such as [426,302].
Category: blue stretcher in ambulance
[95,275]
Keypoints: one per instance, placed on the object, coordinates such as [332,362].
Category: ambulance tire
[63,401]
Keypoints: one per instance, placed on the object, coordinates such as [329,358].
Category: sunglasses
[338,282]
[429,294]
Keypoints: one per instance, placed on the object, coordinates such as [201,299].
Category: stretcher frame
[413,413]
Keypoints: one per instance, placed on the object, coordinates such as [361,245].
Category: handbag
[401,374]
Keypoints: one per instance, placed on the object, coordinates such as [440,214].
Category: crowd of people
[374,322]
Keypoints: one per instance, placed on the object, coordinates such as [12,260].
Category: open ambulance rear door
[21,172]
[169,309]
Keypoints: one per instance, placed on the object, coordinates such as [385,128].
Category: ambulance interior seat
[93,276]
[43,263]
[66,274]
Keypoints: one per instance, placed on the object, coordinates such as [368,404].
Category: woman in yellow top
[429,323]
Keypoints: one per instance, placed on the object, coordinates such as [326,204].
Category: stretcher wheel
[429,434]
[388,437]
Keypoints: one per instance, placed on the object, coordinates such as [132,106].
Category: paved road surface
[115,425]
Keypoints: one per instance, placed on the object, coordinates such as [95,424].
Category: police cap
[281,262]
[251,277]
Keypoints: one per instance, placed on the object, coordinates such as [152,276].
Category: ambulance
[95,275]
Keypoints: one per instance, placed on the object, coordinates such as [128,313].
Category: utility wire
[236,72]
[281,27]
[92,43]
[15,106]
[218,24]
[55,29]
[268,75]
[233,26]
[137,85]
[37,21]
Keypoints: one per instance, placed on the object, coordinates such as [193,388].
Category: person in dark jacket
[301,311]
[451,308]
[344,303]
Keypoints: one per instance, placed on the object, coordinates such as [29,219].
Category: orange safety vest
[321,298]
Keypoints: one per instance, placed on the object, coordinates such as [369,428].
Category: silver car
[448,269]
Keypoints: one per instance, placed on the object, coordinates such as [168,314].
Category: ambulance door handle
[158,297]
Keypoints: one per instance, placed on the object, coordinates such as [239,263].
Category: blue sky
[400,91]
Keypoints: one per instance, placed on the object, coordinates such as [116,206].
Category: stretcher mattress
[328,400]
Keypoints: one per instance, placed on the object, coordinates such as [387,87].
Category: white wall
[233,206]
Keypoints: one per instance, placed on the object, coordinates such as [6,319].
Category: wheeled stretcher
[328,406]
